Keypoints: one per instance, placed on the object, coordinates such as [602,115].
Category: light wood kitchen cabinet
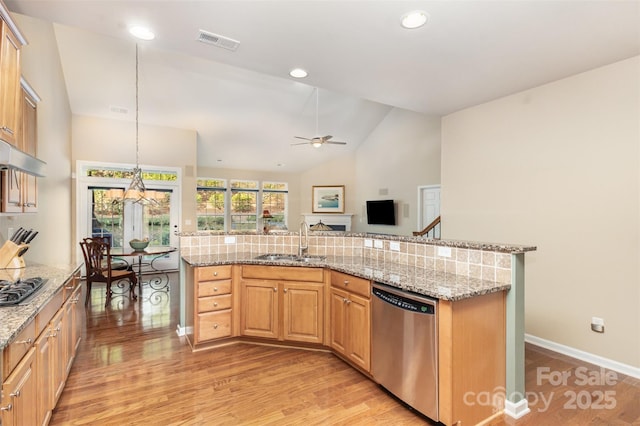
[283,303]
[20,190]
[44,378]
[9,84]
[350,301]
[212,296]
[19,393]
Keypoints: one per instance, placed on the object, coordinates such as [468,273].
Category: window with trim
[244,205]
[274,201]
[210,204]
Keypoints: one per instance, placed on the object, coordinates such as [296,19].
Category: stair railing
[429,227]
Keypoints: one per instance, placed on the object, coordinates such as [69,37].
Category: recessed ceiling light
[414,19]
[143,33]
[298,73]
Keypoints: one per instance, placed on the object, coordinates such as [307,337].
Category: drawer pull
[26,342]
[215,304]
[7,408]
[275,289]
[15,394]
[215,274]
[215,289]
[285,290]
[215,326]
[346,282]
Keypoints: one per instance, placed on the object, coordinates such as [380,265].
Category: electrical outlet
[394,246]
[444,251]
[597,324]
[378,244]
[368,243]
[229,240]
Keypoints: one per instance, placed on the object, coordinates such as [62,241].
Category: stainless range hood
[12,158]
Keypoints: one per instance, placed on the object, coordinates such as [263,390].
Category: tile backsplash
[488,265]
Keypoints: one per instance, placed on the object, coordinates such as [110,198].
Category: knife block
[11,255]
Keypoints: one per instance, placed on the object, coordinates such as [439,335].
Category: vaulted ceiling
[247,109]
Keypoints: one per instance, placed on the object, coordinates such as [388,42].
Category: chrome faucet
[303,249]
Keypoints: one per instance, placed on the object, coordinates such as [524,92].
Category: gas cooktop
[14,292]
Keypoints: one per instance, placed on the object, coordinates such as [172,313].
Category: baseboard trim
[584,356]
[518,409]
[181,331]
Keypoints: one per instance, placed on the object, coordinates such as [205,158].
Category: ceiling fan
[318,141]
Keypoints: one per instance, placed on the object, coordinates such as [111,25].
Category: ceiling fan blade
[301,143]
[300,137]
[326,138]
[336,142]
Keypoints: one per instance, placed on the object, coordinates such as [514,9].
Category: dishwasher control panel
[406,303]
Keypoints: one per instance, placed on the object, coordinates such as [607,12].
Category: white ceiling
[245,107]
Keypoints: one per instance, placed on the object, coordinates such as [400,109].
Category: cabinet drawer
[350,283]
[209,273]
[214,303]
[289,273]
[13,353]
[214,288]
[213,325]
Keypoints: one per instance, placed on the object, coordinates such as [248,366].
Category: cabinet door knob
[26,342]
[7,408]
[15,394]
[285,290]
[215,325]
[275,289]
[346,282]
[215,274]
[215,304]
[348,301]
[215,289]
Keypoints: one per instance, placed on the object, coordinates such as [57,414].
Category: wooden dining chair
[99,266]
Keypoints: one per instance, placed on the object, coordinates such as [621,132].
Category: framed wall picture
[328,199]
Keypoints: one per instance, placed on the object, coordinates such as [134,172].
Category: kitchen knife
[31,236]
[15,234]
[23,236]
[19,235]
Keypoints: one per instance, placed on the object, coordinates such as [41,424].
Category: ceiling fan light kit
[318,141]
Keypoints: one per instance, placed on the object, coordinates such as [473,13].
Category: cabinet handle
[285,290]
[348,301]
[215,325]
[69,287]
[346,282]
[215,274]
[7,408]
[8,130]
[15,394]
[215,289]
[26,342]
[75,299]
[215,304]
[58,328]
[275,289]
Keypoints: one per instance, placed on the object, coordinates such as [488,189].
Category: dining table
[142,262]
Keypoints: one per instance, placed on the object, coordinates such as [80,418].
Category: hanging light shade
[320,227]
[137,192]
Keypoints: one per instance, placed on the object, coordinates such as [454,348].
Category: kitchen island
[479,287]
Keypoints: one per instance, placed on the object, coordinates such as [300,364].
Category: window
[274,200]
[210,199]
[239,205]
[244,205]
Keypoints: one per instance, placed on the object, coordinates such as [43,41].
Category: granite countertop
[427,282]
[13,319]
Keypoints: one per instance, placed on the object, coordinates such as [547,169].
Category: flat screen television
[381,212]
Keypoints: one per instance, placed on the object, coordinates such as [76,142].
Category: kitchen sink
[290,257]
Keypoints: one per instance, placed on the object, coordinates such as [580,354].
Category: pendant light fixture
[137,192]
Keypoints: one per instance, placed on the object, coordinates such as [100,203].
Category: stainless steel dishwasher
[404,347]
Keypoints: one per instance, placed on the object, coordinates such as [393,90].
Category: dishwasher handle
[403,300]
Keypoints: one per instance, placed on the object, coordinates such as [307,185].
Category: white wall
[558,166]
[41,67]
[402,153]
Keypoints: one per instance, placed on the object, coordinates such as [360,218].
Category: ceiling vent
[218,40]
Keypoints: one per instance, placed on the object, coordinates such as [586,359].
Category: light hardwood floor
[132,369]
